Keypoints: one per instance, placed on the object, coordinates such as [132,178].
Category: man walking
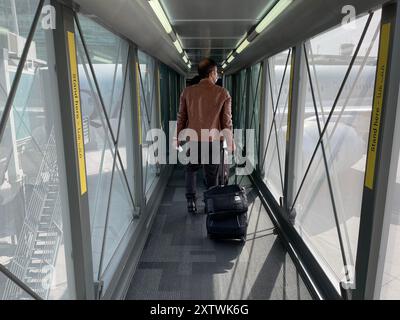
[205,106]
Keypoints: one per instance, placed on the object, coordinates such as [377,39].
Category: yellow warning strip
[139,102]
[290,99]
[77,111]
[377,105]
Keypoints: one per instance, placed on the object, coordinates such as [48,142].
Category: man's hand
[231,147]
[175,144]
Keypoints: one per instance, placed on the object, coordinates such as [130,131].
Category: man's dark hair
[194,81]
[205,67]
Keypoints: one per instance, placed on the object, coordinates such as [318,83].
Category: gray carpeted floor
[180,262]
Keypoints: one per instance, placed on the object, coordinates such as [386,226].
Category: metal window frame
[325,127]
[115,169]
[263,116]
[294,108]
[254,105]
[111,281]
[374,221]
[265,97]
[307,265]
[313,275]
[154,104]
[133,243]
[82,263]
[383,251]
[296,94]
[103,105]
[235,95]
[134,72]
[84,288]
[316,279]
[157,76]
[105,276]
[165,116]
[78,205]
[297,100]
[242,101]
[275,107]
[248,98]
[323,146]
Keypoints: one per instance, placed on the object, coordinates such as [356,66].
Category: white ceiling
[213,28]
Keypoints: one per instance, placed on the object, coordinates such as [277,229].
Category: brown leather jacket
[205,106]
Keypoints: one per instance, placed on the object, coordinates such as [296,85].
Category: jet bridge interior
[89,209]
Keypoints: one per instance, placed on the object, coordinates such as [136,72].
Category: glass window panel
[16,19]
[228,84]
[99,153]
[237,111]
[164,88]
[120,215]
[269,132]
[243,100]
[16,16]
[108,55]
[344,144]
[273,167]
[255,92]
[278,92]
[241,110]
[174,95]
[20,15]
[110,68]
[125,145]
[389,288]
[34,213]
[4,281]
[121,208]
[315,221]
[149,96]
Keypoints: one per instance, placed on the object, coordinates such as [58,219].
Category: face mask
[216,78]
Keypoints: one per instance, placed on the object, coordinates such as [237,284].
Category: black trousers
[210,170]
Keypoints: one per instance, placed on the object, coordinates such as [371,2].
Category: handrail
[30,228]
[19,283]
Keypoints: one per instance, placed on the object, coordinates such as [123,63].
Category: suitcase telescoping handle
[222,167]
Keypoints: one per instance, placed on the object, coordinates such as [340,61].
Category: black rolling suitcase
[226,208]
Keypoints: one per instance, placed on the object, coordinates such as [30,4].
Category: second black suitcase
[226,208]
[229,227]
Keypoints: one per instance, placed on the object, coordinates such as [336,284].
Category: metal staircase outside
[41,233]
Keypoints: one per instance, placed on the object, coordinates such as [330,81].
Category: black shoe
[192,208]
